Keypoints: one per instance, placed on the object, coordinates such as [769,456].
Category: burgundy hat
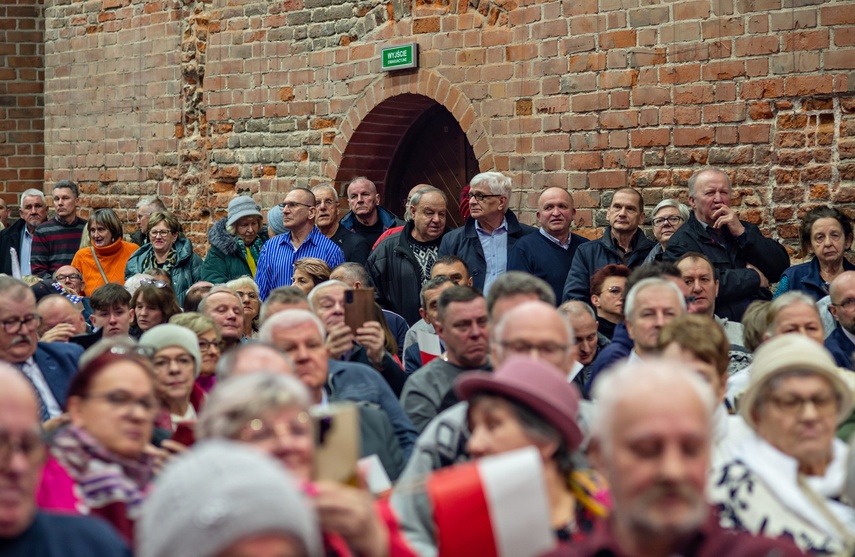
[538,385]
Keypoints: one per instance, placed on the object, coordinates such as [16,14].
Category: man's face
[362,197]
[555,212]
[115,321]
[655,307]
[143,214]
[464,330]
[306,348]
[429,217]
[260,357]
[64,203]
[297,210]
[329,306]
[656,462]
[609,302]
[800,318]
[711,194]
[539,334]
[70,278]
[327,208]
[585,327]
[20,344]
[700,280]
[491,206]
[33,210]
[227,312]
[843,293]
[429,312]
[625,214]
[456,272]
[57,311]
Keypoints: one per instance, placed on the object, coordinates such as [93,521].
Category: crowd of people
[685,394]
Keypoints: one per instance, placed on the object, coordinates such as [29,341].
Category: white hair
[684,211]
[629,304]
[288,319]
[322,286]
[33,192]
[498,183]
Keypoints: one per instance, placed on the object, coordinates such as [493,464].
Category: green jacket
[225,260]
[187,270]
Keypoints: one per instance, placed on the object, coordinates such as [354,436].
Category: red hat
[537,385]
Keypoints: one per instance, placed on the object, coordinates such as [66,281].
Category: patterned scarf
[102,477]
[254,249]
[150,261]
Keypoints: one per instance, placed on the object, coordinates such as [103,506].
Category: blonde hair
[196,322]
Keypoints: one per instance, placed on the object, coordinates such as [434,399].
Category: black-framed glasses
[159,233]
[673,220]
[29,443]
[479,197]
[157,283]
[163,362]
[125,401]
[72,277]
[13,324]
[204,345]
[291,205]
[795,405]
[847,304]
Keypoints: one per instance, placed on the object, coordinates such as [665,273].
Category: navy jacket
[619,349]
[738,285]
[61,535]
[386,217]
[399,327]
[538,255]
[464,243]
[806,278]
[11,238]
[593,256]
[840,347]
[354,247]
[58,363]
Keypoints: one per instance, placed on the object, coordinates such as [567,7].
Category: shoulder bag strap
[100,268]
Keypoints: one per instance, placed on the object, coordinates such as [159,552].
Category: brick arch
[374,125]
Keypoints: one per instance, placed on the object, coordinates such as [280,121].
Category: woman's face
[119,408]
[663,229]
[303,281]
[249,302]
[827,241]
[100,236]
[162,239]
[495,428]
[174,374]
[210,347]
[246,229]
[287,436]
[147,315]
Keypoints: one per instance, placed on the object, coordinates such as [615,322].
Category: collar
[603,541]
[849,335]
[503,226]
[310,238]
[112,249]
[555,240]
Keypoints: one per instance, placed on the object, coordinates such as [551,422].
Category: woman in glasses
[667,217]
[210,345]
[235,242]
[168,251]
[247,291]
[111,408]
[153,303]
[105,259]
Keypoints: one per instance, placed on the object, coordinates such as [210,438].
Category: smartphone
[337,443]
[358,307]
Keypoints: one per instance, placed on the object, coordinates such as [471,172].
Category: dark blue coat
[464,243]
[58,363]
[619,349]
[58,535]
[840,347]
[806,277]
[538,255]
[593,256]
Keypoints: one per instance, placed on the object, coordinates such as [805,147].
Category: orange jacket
[113,259]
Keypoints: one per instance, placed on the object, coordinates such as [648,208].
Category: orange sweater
[113,259]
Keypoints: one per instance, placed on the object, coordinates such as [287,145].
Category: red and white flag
[429,347]
[493,507]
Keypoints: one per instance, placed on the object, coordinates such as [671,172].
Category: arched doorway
[407,140]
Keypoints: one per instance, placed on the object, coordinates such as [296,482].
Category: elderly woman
[667,217]
[167,251]
[310,272]
[827,234]
[104,260]
[235,242]
[210,345]
[111,406]
[177,362]
[271,412]
[787,478]
[247,290]
[151,305]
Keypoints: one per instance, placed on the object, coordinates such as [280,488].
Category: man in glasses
[57,240]
[490,232]
[33,211]
[841,341]
[303,239]
[354,246]
[366,217]
[48,366]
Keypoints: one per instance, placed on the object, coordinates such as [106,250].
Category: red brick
[583,161]
[844,36]
[650,137]
[840,14]
[808,85]
[754,133]
[762,89]
[607,179]
[691,10]
[756,46]
[617,39]
[806,40]
[620,119]
[839,59]
[646,96]
[693,136]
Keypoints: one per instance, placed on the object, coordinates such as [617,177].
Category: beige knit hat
[793,352]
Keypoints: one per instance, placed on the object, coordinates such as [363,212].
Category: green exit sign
[400,57]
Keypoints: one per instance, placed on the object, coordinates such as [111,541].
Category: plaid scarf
[150,261]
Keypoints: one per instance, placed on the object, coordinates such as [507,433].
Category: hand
[55,423]
[764,282]
[61,332]
[350,513]
[339,340]
[164,454]
[725,216]
[370,335]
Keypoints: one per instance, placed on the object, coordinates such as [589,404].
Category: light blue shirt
[495,247]
[25,251]
[555,240]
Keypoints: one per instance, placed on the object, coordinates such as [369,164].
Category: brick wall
[585,94]
[21,97]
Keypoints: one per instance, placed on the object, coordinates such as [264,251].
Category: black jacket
[11,238]
[354,246]
[738,285]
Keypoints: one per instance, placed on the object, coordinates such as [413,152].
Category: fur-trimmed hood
[219,238]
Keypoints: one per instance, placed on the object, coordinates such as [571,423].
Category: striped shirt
[276,261]
[54,245]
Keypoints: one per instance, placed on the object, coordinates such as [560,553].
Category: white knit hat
[166,335]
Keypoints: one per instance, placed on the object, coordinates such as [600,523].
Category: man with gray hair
[146,206]
[589,341]
[490,232]
[366,217]
[745,260]
[651,440]
[33,211]
[402,263]
[650,305]
[354,246]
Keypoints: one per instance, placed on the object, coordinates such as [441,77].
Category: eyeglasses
[13,325]
[795,405]
[673,220]
[257,431]
[72,277]
[133,350]
[204,345]
[161,362]
[125,401]
[326,203]
[30,444]
[847,304]
[546,349]
[614,290]
[479,197]
[159,233]
[153,282]
[291,205]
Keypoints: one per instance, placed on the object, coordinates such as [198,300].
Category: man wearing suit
[48,366]
[33,211]
[841,341]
